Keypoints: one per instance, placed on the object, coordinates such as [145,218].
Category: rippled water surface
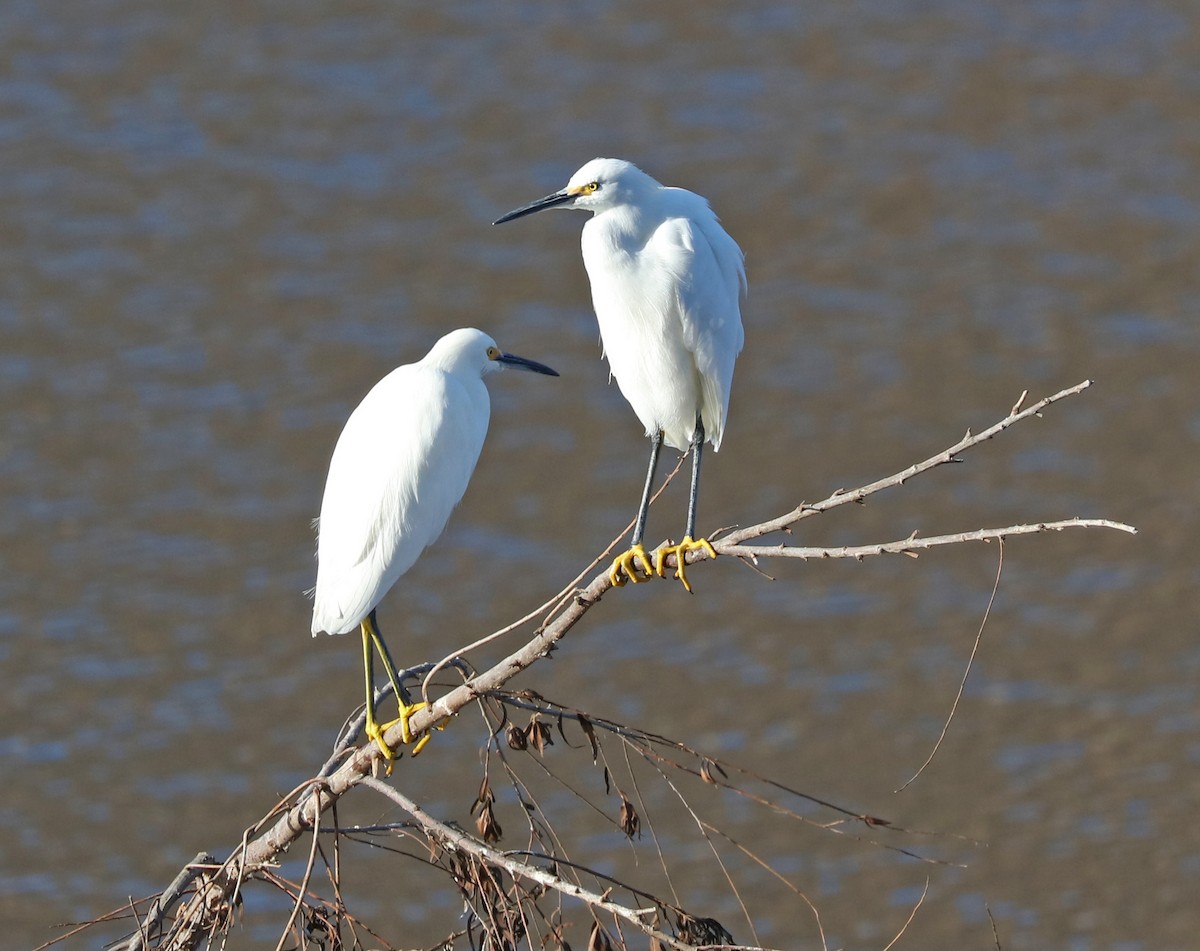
[221,223]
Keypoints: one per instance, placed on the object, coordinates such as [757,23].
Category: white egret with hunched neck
[400,466]
[667,284]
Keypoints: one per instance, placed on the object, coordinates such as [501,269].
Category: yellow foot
[375,732]
[627,562]
[688,544]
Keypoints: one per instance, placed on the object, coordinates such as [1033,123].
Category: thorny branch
[262,844]
[912,544]
[970,440]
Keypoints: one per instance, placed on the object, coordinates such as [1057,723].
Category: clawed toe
[680,551]
[375,731]
[626,563]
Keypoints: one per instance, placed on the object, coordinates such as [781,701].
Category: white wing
[400,467]
[710,280]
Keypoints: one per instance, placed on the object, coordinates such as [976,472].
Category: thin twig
[300,812]
[995,933]
[962,684]
[776,874]
[701,825]
[917,906]
[947,455]
[913,544]
[452,838]
[302,891]
[554,603]
[164,902]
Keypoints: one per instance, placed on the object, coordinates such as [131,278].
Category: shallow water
[219,226]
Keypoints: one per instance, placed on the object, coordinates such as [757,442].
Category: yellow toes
[405,713]
[375,732]
[679,551]
[635,565]
[421,743]
[627,562]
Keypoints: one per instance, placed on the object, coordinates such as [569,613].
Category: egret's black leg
[697,452]
[627,561]
[639,527]
[688,543]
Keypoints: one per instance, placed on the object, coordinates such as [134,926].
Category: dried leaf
[487,826]
[590,733]
[630,821]
[516,738]
[706,771]
[485,796]
[599,939]
[538,734]
[702,930]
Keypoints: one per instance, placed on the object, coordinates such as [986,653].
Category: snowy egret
[667,283]
[400,466]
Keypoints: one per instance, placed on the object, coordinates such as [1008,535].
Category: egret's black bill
[520,363]
[548,202]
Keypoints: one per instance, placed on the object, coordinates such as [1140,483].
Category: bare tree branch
[912,544]
[452,838]
[301,812]
[838,498]
[162,904]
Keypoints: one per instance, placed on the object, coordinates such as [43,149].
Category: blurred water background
[221,223]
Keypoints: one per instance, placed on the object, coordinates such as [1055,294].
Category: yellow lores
[667,283]
[402,463]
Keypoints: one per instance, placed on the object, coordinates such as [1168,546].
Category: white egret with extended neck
[401,465]
[667,283]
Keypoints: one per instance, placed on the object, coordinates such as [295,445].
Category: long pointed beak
[521,363]
[548,202]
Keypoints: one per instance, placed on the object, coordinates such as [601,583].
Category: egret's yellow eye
[590,187]
[493,353]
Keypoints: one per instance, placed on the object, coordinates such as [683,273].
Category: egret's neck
[624,227]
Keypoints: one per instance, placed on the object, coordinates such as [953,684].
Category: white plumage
[667,283]
[401,465]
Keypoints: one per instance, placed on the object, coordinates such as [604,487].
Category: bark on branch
[264,843]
